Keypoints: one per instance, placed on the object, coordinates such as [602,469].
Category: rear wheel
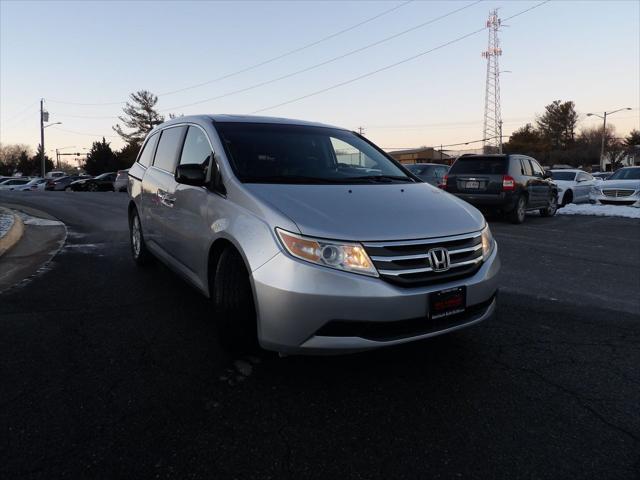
[139,251]
[518,213]
[92,187]
[233,301]
[551,209]
[68,189]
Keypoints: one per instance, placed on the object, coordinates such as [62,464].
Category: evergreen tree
[127,155]
[524,140]
[632,140]
[100,159]
[140,116]
[33,165]
[557,125]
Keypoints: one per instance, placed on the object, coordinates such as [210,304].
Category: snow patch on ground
[37,221]
[600,210]
[6,222]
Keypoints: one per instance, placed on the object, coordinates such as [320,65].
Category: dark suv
[511,184]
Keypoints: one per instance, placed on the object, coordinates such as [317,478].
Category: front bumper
[295,300]
[601,199]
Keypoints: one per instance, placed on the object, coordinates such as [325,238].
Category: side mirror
[217,183]
[547,174]
[191,174]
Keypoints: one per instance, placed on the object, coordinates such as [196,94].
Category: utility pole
[361,132]
[492,133]
[42,163]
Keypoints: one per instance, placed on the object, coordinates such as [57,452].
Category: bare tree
[10,157]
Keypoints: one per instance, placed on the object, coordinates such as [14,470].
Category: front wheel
[68,189]
[518,213]
[551,209]
[233,301]
[139,251]
[92,187]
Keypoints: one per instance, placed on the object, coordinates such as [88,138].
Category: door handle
[166,198]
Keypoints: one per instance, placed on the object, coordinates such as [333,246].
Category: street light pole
[42,165]
[604,132]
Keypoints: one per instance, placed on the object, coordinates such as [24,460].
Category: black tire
[233,301]
[92,187]
[139,251]
[519,211]
[567,198]
[68,189]
[551,209]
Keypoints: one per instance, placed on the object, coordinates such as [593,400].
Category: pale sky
[98,52]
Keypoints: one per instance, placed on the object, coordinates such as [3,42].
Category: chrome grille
[616,192]
[407,262]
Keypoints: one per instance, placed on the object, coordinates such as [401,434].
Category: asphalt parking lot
[108,371]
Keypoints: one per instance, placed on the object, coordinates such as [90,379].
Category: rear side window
[525,167]
[168,148]
[196,148]
[479,166]
[537,169]
[147,153]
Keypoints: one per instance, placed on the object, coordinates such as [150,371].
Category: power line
[259,64]
[297,72]
[24,110]
[84,133]
[325,62]
[388,67]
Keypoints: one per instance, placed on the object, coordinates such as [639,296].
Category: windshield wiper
[380,178]
[288,179]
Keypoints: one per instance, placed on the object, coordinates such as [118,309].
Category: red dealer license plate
[447,302]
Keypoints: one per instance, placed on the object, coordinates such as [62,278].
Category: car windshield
[479,166]
[277,153]
[626,174]
[563,175]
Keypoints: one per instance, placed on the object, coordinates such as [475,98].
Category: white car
[13,183]
[574,186]
[33,185]
[621,188]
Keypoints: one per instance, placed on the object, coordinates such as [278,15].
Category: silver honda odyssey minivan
[307,238]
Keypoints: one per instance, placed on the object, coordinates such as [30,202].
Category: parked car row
[106,182]
[515,184]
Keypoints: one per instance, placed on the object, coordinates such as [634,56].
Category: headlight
[487,242]
[350,257]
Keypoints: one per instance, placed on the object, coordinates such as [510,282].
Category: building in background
[422,155]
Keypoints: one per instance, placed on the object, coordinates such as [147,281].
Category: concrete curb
[13,235]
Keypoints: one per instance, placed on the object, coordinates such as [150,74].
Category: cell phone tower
[492,132]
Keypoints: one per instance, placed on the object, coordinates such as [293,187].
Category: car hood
[620,184]
[371,212]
